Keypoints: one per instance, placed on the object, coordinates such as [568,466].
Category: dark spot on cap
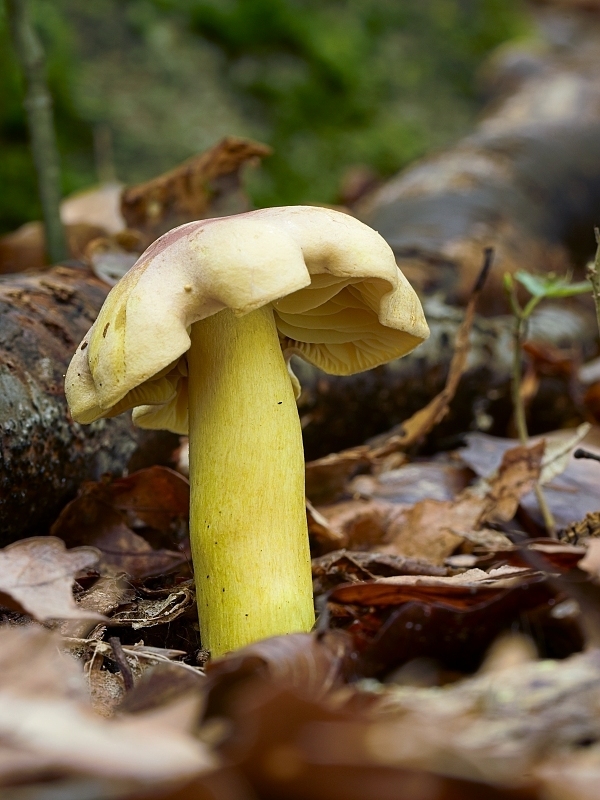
[106,327]
[279,402]
[84,345]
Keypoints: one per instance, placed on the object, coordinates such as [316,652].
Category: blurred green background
[140,85]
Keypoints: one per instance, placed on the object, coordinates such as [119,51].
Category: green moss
[328,83]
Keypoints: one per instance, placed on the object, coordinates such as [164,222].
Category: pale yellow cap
[339,299]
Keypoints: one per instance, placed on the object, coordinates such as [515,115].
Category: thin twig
[521,319]
[122,663]
[38,105]
[581,453]
[423,421]
[593,275]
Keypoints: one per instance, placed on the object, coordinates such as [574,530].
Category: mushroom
[196,338]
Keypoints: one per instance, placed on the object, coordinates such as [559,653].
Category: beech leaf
[37,575]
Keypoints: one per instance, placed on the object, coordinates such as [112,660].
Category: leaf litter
[455,656]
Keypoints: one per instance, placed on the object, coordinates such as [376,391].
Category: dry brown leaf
[570,776]
[291,747]
[591,561]
[433,529]
[107,594]
[362,523]
[342,566]
[497,726]
[146,613]
[158,496]
[37,575]
[305,662]
[44,719]
[207,185]
[110,257]
[24,250]
[326,477]
[570,495]
[411,483]
[155,500]
[470,588]
[322,529]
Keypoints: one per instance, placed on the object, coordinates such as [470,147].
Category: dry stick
[593,275]
[38,105]
[581,453]
[122,662]
[421,422]
[521,316]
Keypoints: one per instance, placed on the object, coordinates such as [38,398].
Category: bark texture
[44,455]
[340,412]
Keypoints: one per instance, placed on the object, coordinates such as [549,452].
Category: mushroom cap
[339,301]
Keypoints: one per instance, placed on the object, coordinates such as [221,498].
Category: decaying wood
[526,182]
[341,412]
[44,455]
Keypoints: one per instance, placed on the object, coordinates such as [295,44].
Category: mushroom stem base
[248,520]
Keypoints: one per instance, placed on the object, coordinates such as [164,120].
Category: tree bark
[44,455]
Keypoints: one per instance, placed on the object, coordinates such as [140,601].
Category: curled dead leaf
[37,576]
[154,501]
[467,589]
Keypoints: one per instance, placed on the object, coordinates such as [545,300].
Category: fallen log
[341,412]
[527,180]
[44,455]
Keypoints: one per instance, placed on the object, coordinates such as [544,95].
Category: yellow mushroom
[195,339]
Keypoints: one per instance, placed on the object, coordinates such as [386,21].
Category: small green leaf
[536,285]
[569,289]
[550,285]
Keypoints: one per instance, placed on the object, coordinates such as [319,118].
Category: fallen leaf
[292,747]
[158,496]
[37,575]
[99,516]
[106,595]
[433,529]
[412,482]
[319,526]
[361,523]
[581,529]
[558,450]
[45,719]
[146,613]
[470,588]
[207,185]
[497,726]
[110,257]
[569,495]
[309,664]
[591,561]
[342,566]
[326,477]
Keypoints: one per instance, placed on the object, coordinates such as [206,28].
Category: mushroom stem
[248,520]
